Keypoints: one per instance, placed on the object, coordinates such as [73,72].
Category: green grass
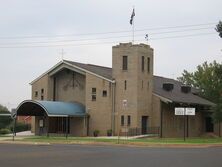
[148,141]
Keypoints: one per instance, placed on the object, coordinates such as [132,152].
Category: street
[106,156]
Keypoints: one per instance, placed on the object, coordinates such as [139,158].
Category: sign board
[13,114]
[190,111]
[41,123]
[179,111]
[124,103]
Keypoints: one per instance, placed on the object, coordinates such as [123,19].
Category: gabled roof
[106,72]
[173,96]
[99,71]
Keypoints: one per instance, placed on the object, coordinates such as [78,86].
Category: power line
[102,33]
[63,45]
[103,38]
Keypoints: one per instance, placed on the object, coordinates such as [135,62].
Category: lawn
[147,141]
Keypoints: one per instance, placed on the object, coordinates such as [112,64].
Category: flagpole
[133,22]
[133,30]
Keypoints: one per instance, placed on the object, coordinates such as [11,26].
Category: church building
[80,99]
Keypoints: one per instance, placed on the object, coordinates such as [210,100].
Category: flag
[132,16]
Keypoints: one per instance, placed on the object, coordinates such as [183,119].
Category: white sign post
[179,111]
[184,111]
[190,111]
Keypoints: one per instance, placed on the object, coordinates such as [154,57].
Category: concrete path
[19,135]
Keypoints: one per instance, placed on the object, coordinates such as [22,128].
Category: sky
[33,34]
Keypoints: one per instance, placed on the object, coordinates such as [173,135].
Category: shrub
[4,131]
[20,127]
[109,132]
[96,133]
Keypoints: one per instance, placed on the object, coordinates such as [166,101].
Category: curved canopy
[50,108]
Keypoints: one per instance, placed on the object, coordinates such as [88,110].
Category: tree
[208,79]
[4,121]
[219,28]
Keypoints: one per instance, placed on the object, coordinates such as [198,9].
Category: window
[36,93]
[104,93]
[122,120]
[148,64]
[125,63]
[142,84]
[93,94]
[142,65]
[42,97]
[148,85]
[128,120]
[42,91]
[125,85]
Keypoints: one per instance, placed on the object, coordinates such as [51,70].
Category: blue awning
[51,109]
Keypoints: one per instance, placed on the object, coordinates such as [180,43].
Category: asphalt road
[106,156]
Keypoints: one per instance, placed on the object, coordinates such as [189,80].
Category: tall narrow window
[125,85]
[104,93]
[125,62]
[36,93]
[93,94]
[42,91]
[142,65]
[142,84]
[122,120]
[148,64]
[128,120]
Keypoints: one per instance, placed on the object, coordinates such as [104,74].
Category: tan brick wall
[42,83]
[217,129]
[77,127]
[138,93]
[70,87]
[155,114]
[101,109]
[173,125]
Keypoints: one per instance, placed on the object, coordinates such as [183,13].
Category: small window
[104,93]
[125,85]
[128,120]
[42,97]
[36,93]
[122,120]
[142,65]
[125,62]
[93,97]
[93,94]
[148,64]
[93,90]
[42,91]
[142,84]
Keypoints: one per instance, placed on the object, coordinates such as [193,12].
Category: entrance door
[209,124]
[144,124]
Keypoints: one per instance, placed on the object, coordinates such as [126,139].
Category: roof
[175,96]
[51,108]
[100,70]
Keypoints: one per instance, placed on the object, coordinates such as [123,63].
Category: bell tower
[132,69]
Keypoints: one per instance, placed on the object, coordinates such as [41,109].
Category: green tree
[208,79]
[4,121]
[219,28]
